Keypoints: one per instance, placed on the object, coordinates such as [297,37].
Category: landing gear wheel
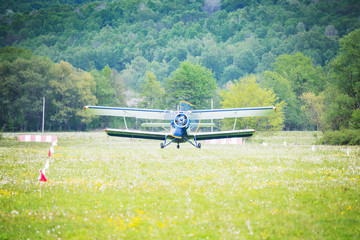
[178,146]
[161,145]
[199,145]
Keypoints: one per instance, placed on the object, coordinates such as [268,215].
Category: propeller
[186,106]
[181,120]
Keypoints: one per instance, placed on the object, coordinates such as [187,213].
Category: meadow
[113,188]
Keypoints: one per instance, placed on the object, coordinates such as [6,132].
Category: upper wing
[130,112]
[195,124]
[137,134]
[223,134]
[231,113]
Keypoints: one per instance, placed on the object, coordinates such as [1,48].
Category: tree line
[307,96]
[302,55]
[232,38]
[26,78]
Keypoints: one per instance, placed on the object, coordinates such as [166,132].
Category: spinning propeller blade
[185,106]
[195,124]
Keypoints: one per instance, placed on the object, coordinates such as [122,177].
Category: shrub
[342,137]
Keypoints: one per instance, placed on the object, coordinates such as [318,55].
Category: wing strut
[125,123]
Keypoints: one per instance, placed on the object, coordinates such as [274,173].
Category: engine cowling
[181,120]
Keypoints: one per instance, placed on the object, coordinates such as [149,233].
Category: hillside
[231,38]
[304,53]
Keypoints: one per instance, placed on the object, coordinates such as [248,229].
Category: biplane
[184,123]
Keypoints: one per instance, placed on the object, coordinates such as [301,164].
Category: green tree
[192,83]
[230,73]
[245,92]
[294,75]
[71,90]
[339,109]
[105,92]
[282,88]
[347,65]
[23,84]
[85,86]
[119,87]
[134,73]
[342,97]
[109,92]
[213,57]
[152,92]
[314,108]
[355,119]
[301,73]
[245,61]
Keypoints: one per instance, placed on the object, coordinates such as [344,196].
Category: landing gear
[164,144]
[195,144]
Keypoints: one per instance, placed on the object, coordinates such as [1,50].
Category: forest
[303,55]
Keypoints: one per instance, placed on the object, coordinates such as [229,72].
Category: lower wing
[137,134]
[223,134]
[155,125]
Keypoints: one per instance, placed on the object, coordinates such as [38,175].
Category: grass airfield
[113,188]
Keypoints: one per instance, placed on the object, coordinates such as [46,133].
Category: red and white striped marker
[225,141]
[37,138]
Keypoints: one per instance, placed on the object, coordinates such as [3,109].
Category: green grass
[112,188]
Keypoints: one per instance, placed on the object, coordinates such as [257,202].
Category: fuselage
[179,126]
